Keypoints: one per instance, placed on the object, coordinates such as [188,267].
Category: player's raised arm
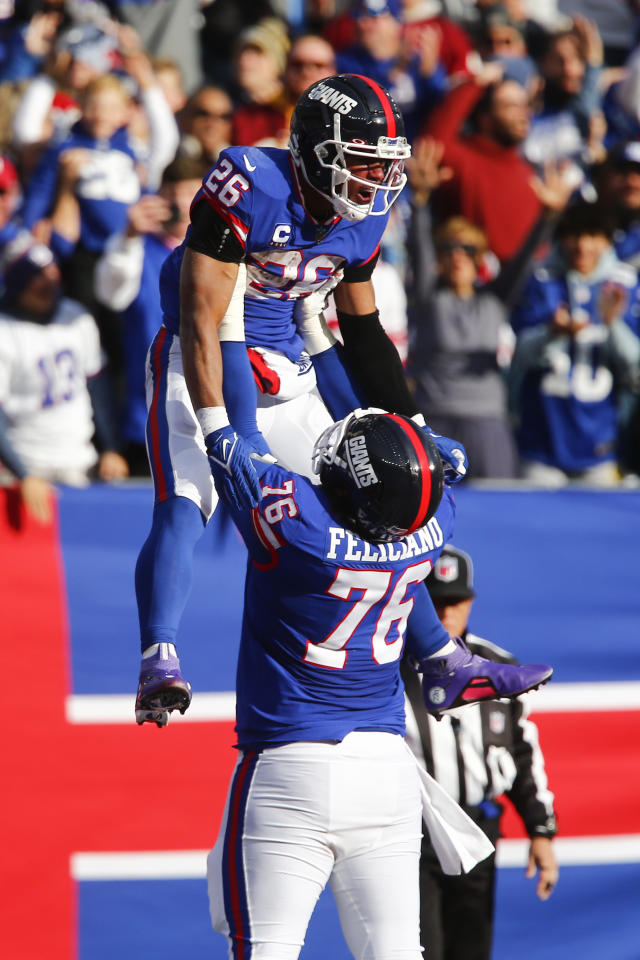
[206,287]
[211,291]
[370,353]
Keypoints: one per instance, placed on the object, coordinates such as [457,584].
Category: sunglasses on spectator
[201,112]
[312,64]
[450,245]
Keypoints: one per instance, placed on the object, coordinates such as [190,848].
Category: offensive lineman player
[325,789]
[303,221]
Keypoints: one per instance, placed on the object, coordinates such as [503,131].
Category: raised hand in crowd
[148,215]
[71,163]
[428,49]
[65,216]
[487,73]
[589,40]
[425,170]
[554,187]
[517,10]
[41,33]
[129,42]
[564,323]
[613,302]
[595,140]
[41,230]
[138,65]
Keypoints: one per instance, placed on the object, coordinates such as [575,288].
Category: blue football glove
[234,474]
[261,456]
[452,453]
[258,444]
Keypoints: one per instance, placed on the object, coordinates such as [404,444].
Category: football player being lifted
[273,232]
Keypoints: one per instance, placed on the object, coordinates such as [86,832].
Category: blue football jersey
[567,401]
[288,254]
[324,620]
[627,244]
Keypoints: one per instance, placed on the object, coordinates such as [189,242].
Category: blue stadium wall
[92,798]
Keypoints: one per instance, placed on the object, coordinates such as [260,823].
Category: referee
[476,753]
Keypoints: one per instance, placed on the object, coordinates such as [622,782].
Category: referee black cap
[452,577]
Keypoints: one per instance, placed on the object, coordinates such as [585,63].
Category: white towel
[458,842]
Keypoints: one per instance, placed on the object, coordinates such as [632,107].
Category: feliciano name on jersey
[346,547]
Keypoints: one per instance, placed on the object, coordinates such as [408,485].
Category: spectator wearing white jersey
[53,394]
[94,171]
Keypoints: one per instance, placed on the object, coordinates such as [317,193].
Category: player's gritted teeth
[371,173]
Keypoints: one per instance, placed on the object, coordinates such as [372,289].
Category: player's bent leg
[185,499]
[377,818]
[185,495]
[272,858]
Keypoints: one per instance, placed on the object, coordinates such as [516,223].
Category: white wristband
[212,418]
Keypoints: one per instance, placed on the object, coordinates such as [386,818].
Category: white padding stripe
[571,697]
[120,708]
[191,864]
[554,698]
[576,851]
[157,864]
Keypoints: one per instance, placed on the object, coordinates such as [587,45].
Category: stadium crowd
[508,278]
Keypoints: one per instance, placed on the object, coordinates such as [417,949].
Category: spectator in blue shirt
[560,127]
[416,82]
[577,355]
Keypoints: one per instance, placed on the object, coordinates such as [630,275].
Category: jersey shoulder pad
[244,183]
[446,513]
[277,518]
[265,171]
[254,162]
[370,232]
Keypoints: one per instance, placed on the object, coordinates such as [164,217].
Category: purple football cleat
[463,677]
[161,687]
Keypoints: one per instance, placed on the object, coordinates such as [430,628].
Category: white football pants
[304,814]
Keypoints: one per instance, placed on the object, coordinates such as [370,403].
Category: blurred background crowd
[508,278]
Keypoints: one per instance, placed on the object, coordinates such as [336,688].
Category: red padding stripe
[161,479]
[386,105]
[425,494]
